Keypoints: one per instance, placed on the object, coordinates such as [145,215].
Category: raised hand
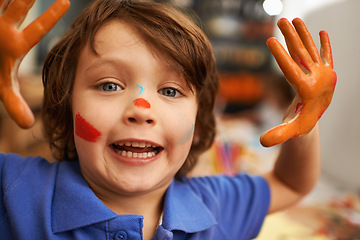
[309,73]
[15,44]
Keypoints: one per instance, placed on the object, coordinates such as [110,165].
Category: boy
[128,100]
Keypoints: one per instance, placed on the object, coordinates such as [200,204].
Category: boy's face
[133,115]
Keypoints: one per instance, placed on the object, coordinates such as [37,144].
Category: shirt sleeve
[239,203]
[11,166]
[2,207]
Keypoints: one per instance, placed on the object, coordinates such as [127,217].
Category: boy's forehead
[89,61]
[123,35]
[118,33]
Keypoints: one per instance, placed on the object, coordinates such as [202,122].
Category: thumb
[18,109]
[279,134]
[301,124]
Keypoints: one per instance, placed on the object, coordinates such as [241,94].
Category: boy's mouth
[136,149]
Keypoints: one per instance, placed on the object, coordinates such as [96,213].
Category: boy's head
[167,31]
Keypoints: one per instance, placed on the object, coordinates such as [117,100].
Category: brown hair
[169,31]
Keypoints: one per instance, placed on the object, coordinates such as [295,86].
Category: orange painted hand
[311,75]
[15,44]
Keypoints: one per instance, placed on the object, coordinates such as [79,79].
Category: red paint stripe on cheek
[140,102]
[85,130]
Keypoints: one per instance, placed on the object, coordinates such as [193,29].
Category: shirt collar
[184,210]
[72,194]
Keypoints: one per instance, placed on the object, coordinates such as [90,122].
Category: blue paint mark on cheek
[187,136]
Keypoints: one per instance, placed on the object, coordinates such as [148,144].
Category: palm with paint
[15,44]
[311,75]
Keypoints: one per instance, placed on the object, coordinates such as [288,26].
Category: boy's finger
[17,10]
[295,46]
[279,134]
[302,124]
[291,70]
[18,109]
[43,24]
[306,39]
[325,51]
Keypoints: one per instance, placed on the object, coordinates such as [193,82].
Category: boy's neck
[149,205]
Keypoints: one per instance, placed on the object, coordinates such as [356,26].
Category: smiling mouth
[136,149]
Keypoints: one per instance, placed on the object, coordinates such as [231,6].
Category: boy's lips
[136,149]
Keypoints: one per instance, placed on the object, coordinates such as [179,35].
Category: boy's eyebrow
[100,62]
[116,62]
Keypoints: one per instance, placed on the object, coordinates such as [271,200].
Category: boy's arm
[296,170]
[15,44]
[312,77]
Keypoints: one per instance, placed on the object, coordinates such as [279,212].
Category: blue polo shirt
[41,200]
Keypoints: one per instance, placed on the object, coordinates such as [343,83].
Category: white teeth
[136,144]
[135,155]
[130,154]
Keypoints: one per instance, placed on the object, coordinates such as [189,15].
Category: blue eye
[111,87]
[169,92]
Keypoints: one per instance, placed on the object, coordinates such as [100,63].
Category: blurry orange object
[242,88]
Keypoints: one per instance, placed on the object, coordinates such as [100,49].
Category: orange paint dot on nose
[141,102]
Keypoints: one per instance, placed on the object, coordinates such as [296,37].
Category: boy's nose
[139,112]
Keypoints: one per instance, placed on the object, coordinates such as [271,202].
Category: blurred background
[252,97]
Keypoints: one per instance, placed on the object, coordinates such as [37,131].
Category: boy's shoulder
[222,183]
[13,159]
[209,201]
[224,189]
[15,162]
[14,167]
